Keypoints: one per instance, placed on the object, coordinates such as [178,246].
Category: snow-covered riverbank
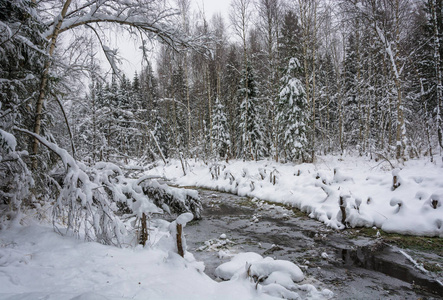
[37,263]
[361,188]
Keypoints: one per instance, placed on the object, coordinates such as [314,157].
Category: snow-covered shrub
[173,200]
[15,178]
[90,199]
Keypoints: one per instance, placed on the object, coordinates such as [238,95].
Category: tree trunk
[44,80]
[438,75]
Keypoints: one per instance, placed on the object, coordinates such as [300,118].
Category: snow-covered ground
[38,263]
[365,187]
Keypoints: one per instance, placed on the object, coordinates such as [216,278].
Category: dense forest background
[280,80]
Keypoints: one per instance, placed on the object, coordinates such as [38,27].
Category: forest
[286,81]
[285,101]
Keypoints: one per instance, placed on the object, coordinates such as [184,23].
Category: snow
[414,206]
[274,277]
[183,219]
[268,266]
[37,263]
[9,139]
[236,265]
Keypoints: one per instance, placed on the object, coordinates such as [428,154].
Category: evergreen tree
[289,39]
[21,62]
[220,135]
[351,90]
[293,115]
[252,143]
[429,61]
[230,89]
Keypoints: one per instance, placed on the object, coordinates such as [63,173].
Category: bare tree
[148,19]
[269,16]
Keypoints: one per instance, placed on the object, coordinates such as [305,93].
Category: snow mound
[276,278]
[268,266]
[237,264]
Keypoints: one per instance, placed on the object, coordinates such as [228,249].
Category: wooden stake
[179,240]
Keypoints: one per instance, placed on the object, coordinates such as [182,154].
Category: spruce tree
[293,115]
[220,135]
[252,144]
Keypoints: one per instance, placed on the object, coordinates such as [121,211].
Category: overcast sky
[128,49]
[213,6]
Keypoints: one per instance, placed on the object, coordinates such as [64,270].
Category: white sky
[213,6]
[129,50]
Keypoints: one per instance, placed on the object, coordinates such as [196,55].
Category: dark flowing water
[351,266]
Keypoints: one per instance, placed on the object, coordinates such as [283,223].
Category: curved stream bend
[353,267]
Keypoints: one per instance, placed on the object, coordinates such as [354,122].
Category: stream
[350,265]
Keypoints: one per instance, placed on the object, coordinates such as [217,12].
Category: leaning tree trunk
[44,80]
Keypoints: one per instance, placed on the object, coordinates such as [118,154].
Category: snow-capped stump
[230,176]
[274,176]
[179,224]
[343,204]
[435,200]
[185,218]
[396,180]
[396,202]
[262,173]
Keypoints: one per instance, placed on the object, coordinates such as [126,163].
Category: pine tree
[293,115]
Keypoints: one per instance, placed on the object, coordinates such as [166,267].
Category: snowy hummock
[369,198]
[37,263]
[274,277]
[258,266]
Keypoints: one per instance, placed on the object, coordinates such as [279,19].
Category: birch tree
[148,19]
